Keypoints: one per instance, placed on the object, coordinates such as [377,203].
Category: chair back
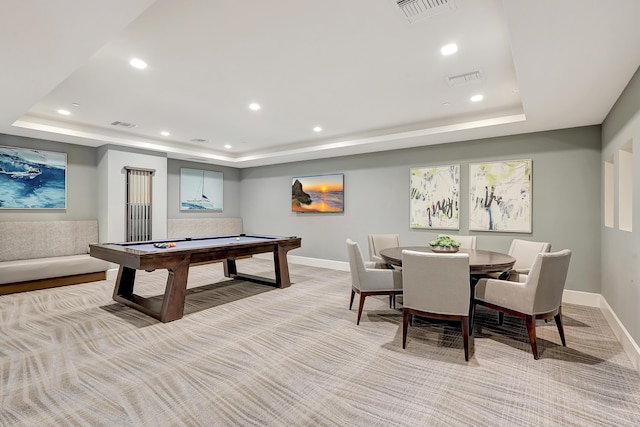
[466,242]
[525,251]
[436,283]
[547,279]
[378,242]
[356,263]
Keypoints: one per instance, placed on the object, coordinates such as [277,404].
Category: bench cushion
[45,268]
[42,239]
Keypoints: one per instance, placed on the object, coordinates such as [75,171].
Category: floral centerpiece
[444,244]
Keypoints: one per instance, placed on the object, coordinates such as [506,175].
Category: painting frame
[434,197]
[32,179]
[201,190]
[500,196]
[319,194]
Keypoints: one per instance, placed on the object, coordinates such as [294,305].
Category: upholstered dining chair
[368,281]
[378,242]
[466,242]
[524,251]
[436,286]
[538,297]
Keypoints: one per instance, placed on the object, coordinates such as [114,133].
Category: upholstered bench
[46,254]
[203,227]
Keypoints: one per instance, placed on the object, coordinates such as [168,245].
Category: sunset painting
[320,193]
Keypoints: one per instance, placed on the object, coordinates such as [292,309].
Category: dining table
[480,261]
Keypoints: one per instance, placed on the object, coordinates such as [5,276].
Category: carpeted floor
[250,355]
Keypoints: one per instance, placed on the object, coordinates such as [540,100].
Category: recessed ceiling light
[476,98]
[449,49]
[165,133]
[64,112]
[254,106]
[227,146]
[317,129]
[138,63]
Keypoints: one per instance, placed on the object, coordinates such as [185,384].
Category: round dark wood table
[480,261]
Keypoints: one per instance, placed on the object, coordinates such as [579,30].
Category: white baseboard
[317,262]
[581,298]
[628,344]
[311,262]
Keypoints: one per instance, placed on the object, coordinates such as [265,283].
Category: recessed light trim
[64,112]
[254,106]
[477,98]
[165,133]
[449,49]
[138,63]
[227,146]
[317,129]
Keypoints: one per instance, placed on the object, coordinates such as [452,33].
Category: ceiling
[371,78]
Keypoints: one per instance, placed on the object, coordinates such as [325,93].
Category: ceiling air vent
[124,124]
[417,10]
[200,140]
[465,78]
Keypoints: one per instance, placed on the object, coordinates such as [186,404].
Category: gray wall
[620,249]
[82,182]
[566,197]
[231,189]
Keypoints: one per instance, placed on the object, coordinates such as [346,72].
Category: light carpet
[251,355]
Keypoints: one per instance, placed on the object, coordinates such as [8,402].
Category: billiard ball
[238,239]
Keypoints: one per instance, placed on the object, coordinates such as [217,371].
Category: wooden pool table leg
[172,305]
[175,292]
[124,282]
[282,267]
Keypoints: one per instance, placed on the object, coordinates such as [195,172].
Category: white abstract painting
[435,197]
[500,196]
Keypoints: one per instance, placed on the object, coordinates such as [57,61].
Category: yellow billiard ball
[238,239]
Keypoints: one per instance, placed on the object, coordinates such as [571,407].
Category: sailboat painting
[32,179]
[200,190]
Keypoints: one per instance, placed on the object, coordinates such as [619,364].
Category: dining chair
[524,251]
[538,297]
[466,242]
[378,242]
[368,281]
[436,286]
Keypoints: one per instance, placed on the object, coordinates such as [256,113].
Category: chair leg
[361,305]
[472,313]
[531,328]
[392,301]
[353,294]
[465,336]
[405,327]
[500,318]
[558,319]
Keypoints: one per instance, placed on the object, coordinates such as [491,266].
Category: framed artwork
[32,179]
[500,196]
[200,190]
[435,197]
[319,193]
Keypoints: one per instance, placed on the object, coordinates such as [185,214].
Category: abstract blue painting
[32,179]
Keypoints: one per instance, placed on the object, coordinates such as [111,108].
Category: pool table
[148,256]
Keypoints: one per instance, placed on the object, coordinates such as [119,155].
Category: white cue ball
[237,238]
